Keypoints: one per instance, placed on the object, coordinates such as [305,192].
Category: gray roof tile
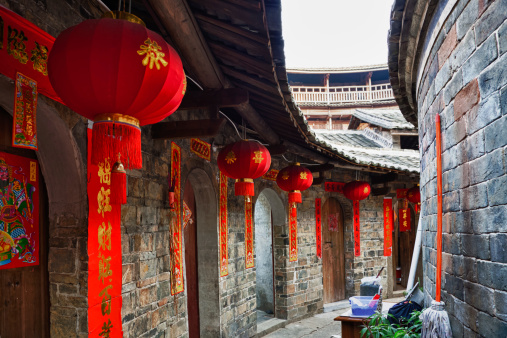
[385,118]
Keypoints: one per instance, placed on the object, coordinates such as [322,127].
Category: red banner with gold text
[177,284]
[201,148]
[388,226]
[357,229]
[334,187]
[404,220]
[224,255]
[318,226]
[25,48]
[249,254]
[293,234]
[24,133]
[104,252]
[19,216]
[271,175]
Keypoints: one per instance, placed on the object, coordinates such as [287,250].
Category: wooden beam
[222,98]
[320,168]
[277,149]
[390,177]
[262,39]
[380,191]
[318,181]
[186,129]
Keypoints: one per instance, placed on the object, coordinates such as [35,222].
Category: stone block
[148,268]
[452,88]
[475,145]
[451,201]
[467,18]
[63,322]
[497,191]
[502,38]
[488,220]
[480,297]
[498,247]
[466,99]
[493,275]
[487,167]
[476,246]
[501,305]
[490,21]
[62,260]
[483,56]
[494,77]
[503,100]
[443,76]
[474,197]
[466,314]
[447,46]
[490,326]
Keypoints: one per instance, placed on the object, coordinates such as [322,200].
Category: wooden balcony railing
[342,94]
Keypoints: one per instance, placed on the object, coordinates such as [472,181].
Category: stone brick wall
[464,80]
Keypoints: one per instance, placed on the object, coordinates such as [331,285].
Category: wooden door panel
[333,252]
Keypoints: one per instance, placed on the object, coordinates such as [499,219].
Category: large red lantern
[119,74]
[244,161]
[294,179]
[357,191]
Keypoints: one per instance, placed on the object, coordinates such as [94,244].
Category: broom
[435,321]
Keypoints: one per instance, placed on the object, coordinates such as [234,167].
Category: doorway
[333,251]
[24,299]
[201,255]
[403,248]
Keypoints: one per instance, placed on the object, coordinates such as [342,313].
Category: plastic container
[369,286]
[363,306]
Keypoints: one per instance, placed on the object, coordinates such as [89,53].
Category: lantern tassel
[118,184]
[110,138]
[244,188]
[295,197]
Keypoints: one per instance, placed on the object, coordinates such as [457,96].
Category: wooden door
[406,249]
[190,238]
[24,292]
[333,251]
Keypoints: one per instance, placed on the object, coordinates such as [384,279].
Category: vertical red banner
[357,229]
[318,226]
[293,234]
[19,212]
[249,256]
[104,252]
[177,285]
[388,226]
[224,255]
[404,220]
[24,133]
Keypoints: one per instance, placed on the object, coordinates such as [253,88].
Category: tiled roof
[354,138]
[398,159]
[352,69]
[385,118]
[347,104]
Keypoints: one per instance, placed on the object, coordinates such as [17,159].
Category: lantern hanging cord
[299,162]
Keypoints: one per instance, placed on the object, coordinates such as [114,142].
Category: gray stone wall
[464,80]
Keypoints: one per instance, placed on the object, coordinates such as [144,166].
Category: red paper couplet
[293,234]
[25,47]
[357,229]
[388,226]
[334,186]
[24,134]
[271,175]
[201,148]
[404,220]
[318,226]
[177,285]
[249,256]
[104,252]
[19,216]
[401,193]
[224,256]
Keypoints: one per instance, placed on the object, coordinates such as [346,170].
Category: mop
[435,320]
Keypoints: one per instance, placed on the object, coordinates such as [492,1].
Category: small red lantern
[120,75]
[244,161]
[294,179]
[357,190]
[414,196]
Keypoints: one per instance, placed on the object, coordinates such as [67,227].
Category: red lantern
[414,196]
[294,179]
[357,191]
[120,75]
[244,161]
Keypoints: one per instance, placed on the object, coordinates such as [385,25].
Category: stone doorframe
[206,207]
[62,160]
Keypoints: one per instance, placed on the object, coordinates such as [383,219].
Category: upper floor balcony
[342,94]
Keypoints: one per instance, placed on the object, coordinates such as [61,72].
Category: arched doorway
[269,212]
[201,256]
[333,251]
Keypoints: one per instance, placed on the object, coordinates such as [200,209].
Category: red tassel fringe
[118,188]
[244,189]
[295,197]
[109,139]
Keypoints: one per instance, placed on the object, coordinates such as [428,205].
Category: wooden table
[351,326]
